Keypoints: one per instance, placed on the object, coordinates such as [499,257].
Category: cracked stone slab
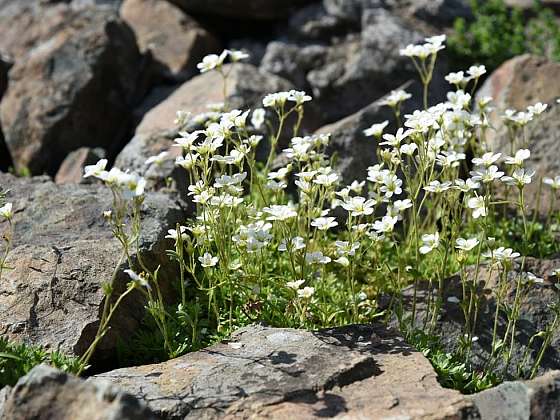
[347,372]
[63,250]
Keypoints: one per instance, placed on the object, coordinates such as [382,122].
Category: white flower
[459,99]
[487,159]
[324,223]
[358,206]
[395,98]
[137,278]
[172,233]
[430,242]
[408,149]
[95,170]
[186,162]
[296,243]
[456,78]
[6,211]
[280,212]
[395,140]
[326,179]
[343,261]
[401,205]
[306,292]
[453,299]
[537,109]
[391,185]
[501,254]
[299,97]
[487,175]
[531,278]
[158,159]
[476,71]
[346,249]
[317,258]
[212,61]
[386,224]
[207,260]
[437,187]
[274,100]
[237,55]
[187,140]
[519,178]
[376,129]
[520,156]
[478,206]
[466,186]
[296,284]
[466,244]
[257,119]
[554,183]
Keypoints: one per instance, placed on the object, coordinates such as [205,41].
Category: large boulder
[351,372]
[46,393]
[5,159]
[54,104]
[353,65]
[242,9]
[516,84]
[62,252]
[175,39]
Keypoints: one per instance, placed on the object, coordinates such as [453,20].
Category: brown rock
[46,393]
[53,103]
[246,87]
[72,169]
[175,40]
[63,250]
[518,83]
[348,372]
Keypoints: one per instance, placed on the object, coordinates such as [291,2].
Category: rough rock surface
[538,399]
[175,39]
[516,84]
[5,159]
[46,393]
[345,53]
[241,9]
[62,251]
[351,372]
[72,169]
[246,87]
[53,103]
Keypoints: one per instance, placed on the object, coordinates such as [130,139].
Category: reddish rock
[72,169]
[175,39]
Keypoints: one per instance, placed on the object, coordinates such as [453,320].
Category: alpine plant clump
[292,246]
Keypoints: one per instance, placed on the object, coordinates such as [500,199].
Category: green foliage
[17,360]
[451,369]
[498,33]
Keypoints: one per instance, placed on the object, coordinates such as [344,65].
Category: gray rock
[242,9]
[5,158]
[63,250]
[347,372]
[442,12]
[348,72]
[53,103]
[175,39]
[46,393]
[538,399]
